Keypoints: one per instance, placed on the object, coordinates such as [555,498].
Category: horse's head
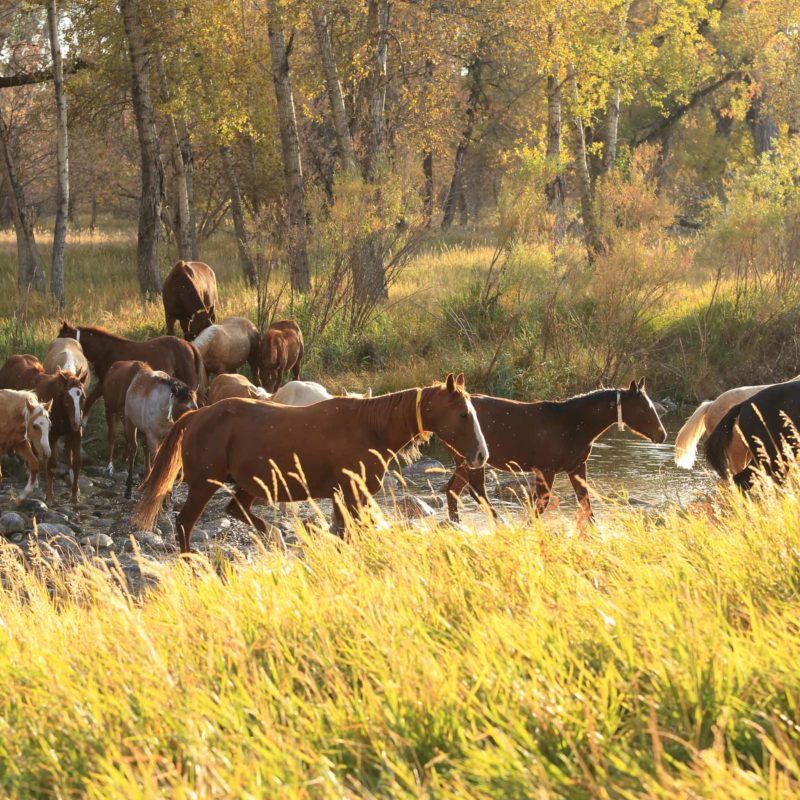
[37,427]
[447,410]
[199,321]
[182,399]
[67,331]
[71,398]
[637,411]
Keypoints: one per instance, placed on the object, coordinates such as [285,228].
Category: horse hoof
[109,471]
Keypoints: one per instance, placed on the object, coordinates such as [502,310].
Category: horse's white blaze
[483,450]
[43,424]
[75,394]
[653,409]
[78,335]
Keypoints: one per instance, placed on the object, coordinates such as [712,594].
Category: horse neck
[47,387]
[595,413]
[391,418]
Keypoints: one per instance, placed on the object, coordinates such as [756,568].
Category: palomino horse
[281,350]
[115,387]
[65,391]
[305,393]
[67,354]
[25,430]
[153,402]
[706,418]
[189,291]
[546,438]
[767,424]
[225,347]
[223,387]
[176,357]
[337,449]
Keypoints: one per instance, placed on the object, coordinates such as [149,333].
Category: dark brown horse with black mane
[546,438]
[190,297]
[768,424]
[65,391]
[180,359]
[336,449]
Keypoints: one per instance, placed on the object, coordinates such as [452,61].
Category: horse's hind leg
[477,488]
[111,426]
[170,320]
[130,437]
[196,501]
[453,490]
[239,508]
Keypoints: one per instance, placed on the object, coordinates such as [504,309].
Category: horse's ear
[633,388]
[48,405]
[641,384]
[450,382]
[460,380]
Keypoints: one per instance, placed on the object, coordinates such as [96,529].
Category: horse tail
[274,348]
[162,475]
[689,435]
[719,441]
[202,376]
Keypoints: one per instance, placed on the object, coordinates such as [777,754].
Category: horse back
[20,372]
[189,286]
[771,414]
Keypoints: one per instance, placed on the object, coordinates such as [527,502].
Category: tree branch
[655,130]
[40,75]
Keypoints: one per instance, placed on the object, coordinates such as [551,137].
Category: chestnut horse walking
[65,391]
[190,297]
[180,359]
[336,449]
[25,430]
[547,438]
[281,350]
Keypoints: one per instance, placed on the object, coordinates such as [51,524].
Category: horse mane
[97,329]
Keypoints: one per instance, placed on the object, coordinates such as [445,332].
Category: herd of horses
[295,442]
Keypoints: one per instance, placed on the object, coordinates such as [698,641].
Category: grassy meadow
[652,658]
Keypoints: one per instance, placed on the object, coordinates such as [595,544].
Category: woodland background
[548,194]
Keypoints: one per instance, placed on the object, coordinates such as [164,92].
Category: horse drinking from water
[190,297]
[546,438]
[705,419]
[767,426]
[180,359]
[223,387]
[336,449]
[280,351]
[227,346]
[153,402]
[65,391]
[25,430]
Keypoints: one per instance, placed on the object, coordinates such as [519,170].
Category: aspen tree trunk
[62,160]
[30,274]
[454,192]
[290,147]
[237,212]
[555,187]
[377,28]
[333,87]
[152,170]
[590,232]
[427,190]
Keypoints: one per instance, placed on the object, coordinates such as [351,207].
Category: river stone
[200,537]
[33,506]
[11,522]
[67,548]
[146,540]
[424,470]
[97,540]
[52,516]
[48,529]
[413,507]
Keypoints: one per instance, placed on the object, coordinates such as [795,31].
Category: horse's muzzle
[660,437]
[479,459]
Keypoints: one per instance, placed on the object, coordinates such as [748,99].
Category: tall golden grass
[656,657]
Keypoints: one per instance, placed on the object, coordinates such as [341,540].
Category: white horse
[307,393]
[225,347]
[706,417]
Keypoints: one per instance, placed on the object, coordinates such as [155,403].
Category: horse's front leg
[25,452]
[455,486]
[578,480]
[74,441]
[130,438]
[477,488]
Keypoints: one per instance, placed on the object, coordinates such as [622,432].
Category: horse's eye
[464,414]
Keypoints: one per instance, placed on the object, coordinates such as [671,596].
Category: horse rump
[719,441]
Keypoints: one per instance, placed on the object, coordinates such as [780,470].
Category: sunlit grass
[655,657]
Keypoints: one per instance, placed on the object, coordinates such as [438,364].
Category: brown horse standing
[189,292]
[180,359]
[548,438]
[281,350]
[342,447]
[65,391]
[115,387]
